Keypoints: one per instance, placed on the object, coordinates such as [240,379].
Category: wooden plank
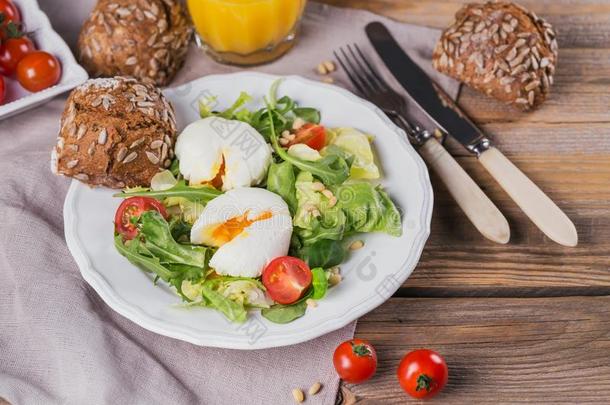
[457,260]
[580,23]
[551,350]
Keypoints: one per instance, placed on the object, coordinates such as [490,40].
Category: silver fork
[479,209]
[371,85]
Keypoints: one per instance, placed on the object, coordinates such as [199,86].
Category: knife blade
[445,113]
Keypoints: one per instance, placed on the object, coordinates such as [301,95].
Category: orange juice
[246,27]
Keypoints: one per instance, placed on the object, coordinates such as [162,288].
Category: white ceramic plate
[46,39]
[371,274]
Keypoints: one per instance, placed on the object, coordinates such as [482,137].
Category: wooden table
[529,321]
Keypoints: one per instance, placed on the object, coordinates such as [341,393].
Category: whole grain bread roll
[141,38]
[115,132]
[502,50]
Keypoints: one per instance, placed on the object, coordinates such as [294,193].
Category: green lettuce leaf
[281,181]
[319,283]
[233,310]
[367,208]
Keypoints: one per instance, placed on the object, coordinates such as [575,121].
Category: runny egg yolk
[229,229]
[217,181]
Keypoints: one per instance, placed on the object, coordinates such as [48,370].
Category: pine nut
[358,244]
[330,66]
[334,279]
[298,395]
[298,123]
[321,69]
[311,303]
[315,388]
[328,80]
[284,141]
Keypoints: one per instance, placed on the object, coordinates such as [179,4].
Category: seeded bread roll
[115,132]
[502,50]
[142,38]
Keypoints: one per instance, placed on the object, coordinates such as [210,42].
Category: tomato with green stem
[422,373]
[9,12]
[355,361]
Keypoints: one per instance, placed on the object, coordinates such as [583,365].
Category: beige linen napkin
[59,342]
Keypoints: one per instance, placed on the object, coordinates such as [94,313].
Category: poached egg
[249,226]
[224,153]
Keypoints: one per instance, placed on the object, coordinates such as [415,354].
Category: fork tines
[360,71]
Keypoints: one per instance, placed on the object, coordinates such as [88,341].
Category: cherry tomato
[422,373]
[130,209]
[12,51]
[2,90]
[355,361]
[38,70]
[10,12]
[312,135]
[286,279]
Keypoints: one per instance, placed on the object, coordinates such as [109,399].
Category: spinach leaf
[324,253]
[281,181]
[158,239]
[231,309]
[201,194]
[279,313]
[307,114]
[319,283]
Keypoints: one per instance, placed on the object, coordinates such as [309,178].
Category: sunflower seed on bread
[500,49]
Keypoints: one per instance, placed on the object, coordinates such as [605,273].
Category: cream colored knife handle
[537,206]
[479,209]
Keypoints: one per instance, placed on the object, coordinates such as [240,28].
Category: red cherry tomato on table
[10,12]
[312,135]
[286,279]
[422,373]
[355,361]
[2,90]
[130,209]
[38,70]
[12,51]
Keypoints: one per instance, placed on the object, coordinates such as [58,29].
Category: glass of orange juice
[246,32]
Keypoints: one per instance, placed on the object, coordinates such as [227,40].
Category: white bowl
[46,39]
[371,274]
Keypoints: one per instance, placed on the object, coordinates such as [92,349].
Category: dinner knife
[441,109]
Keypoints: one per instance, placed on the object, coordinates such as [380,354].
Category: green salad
[258,209]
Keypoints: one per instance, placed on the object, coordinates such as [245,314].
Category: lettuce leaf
[367,208]
[281,181]
[233,310]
